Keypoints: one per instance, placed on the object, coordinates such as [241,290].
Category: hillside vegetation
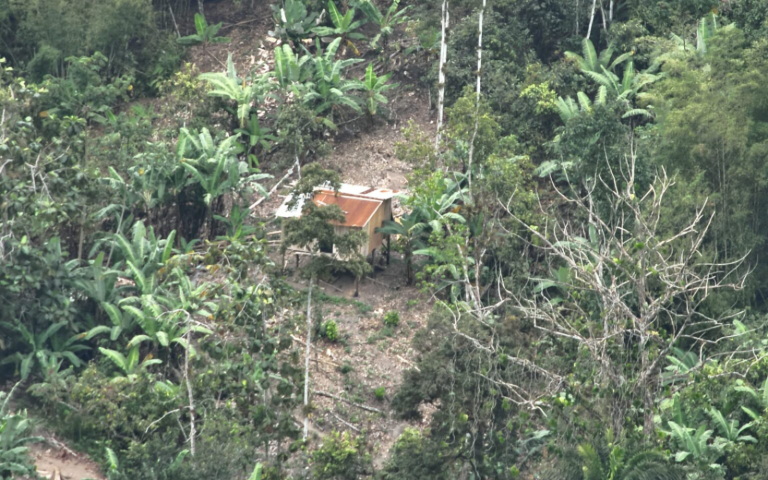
[577,287]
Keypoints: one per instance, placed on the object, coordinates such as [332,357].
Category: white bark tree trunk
[441,72]
[477,100]
[480,49]
[591,18]
[306,358]
[192,429]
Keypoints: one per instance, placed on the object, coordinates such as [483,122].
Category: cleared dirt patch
[57,462]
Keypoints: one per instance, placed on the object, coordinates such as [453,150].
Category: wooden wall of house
[339,231]
[382,214]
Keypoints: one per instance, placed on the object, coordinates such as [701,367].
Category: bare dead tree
[628,280]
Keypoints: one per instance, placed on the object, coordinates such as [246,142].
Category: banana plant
[386,22]
[192,302]
[412,234]
[143,255]
[163,319]
[617,464]
[130,365]
[569,109]
[237,230]
[15,435]
[43,347]
[758,396]
[729,429]
[292,21]
[113,464]
[99,282]
[600,69]
[344,27]
[120,323]
[590,61]
[231,87]
[149,311]
[328,91]
[257,137]
[290,68]
[628,87]
[256,474]
[695,443]
[706,29]
[680,363]
[373,88]
[216,168]
[204,35]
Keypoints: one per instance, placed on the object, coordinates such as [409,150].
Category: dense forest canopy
[575,284]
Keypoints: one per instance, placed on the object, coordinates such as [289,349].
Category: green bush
[339,457]
[414,457]
[391,318]
[125,30]
[380,393]
[331,331]
[346,368]
[15,431]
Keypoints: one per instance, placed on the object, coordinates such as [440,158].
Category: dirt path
[60,463]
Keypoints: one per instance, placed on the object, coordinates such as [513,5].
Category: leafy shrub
[346,368]
[14,436]
[331,331]
[126,30]
[338,457]
[391,318]
[414,457]
[380,393]
[293,21]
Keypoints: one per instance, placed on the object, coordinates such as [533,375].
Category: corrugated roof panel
[382,193]
[349,188]
[295,212]
[356,210]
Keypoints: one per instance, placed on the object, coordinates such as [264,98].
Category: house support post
[389,247]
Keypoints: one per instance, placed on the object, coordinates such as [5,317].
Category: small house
[364,208]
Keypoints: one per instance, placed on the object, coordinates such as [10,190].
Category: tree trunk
[209,221]
[179,223]
[441,72]
[192,430]
[480,49]
[200,7]
[306,358]
[409,270]
[646,381]
[591,18]
[389,247]
[477,101]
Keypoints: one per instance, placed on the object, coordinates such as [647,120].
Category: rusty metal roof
[358,211]
[356,193]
